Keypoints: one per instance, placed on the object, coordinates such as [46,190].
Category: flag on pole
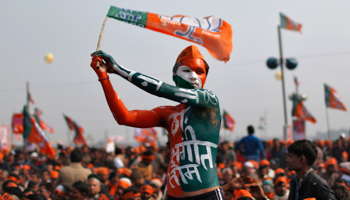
[30,98]
[333,100]
[145,135]
[79,137]
[17,123]
[300,111]
[288,24]
[45,127]
[211,32]
[229,122]
[34,134]
[38,137]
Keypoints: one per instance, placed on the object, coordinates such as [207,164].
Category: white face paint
[187,74]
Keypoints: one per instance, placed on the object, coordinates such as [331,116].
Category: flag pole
[328,131]
[99,41]
[283,88]
[27,104]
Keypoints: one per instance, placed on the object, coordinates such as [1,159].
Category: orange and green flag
[79,137]
[300,111]
[333,100]
[289,24]
[228,121]
[211,32]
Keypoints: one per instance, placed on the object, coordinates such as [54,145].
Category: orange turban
[270,142]
[124,171]
[221,165]
[241,193]
[329,162]
[130,195]
[281,179]
[102,170]
[264,163]
[328,142]
[90,165]
[320,143]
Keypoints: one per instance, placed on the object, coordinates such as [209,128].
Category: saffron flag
[43,124]
[300,111]
[333,100]
[34,134]
[229,122]
[145,135]
[38,137]
[210,32]
[79,137]
[17,123]
[288,24]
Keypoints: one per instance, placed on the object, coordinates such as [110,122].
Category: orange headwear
[190,52]
[14,179]
[123,183]
[345,154]
[221,165]
[329,162]
[130,195]
[281,179]
[283,142]
[102,170]
[125,171]
[238,164]
[137,150]
[320,143]
[241,193]
[279,171]
[147,188]
[290,142]
[6,196]
[54,174]
[255,163]
[26,167]
[270,142]
[57,168]
[90,165]
[11,184]
[328,142]
[264,163]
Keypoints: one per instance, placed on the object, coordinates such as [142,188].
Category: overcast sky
[246,88]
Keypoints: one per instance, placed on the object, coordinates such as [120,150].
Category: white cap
[248,164]
[34,154]
[343,135]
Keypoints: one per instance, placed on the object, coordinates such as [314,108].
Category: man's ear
[303,159]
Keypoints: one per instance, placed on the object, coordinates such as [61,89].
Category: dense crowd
[141,172]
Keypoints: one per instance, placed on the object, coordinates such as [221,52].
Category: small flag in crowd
[17,123]
[79,131]
[35,134]
[288,24]
[229,122]
[145,135]
[210,32]
[333,100]
[43,125]
[300,111]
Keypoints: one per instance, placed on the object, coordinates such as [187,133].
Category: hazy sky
[246,88]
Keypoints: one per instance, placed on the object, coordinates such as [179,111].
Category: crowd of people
[141,172]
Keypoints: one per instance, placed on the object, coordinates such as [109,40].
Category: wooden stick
[99,41]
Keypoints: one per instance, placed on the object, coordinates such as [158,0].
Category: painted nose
[193,76]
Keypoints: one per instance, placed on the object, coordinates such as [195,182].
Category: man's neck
[301,173]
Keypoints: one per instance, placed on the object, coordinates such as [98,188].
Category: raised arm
[192,97]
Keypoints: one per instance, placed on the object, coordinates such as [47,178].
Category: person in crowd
[337,149]
[146,192]
[331,174]
[227,175]
[305,183]
[118,158]
[123,183]
[252,146]
[112,184]
[94,191]
[79,191]
[281,188]
[157,184]
[341,192]
[131,193]
[46,190]
[73,172]
[145,166]
[136,178]
[189,73]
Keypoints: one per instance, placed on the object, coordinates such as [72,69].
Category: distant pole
[283,90]
[328,131]
[27,104]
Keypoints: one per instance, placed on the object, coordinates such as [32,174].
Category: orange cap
[189,52]
[329,162]
[125,171]
[241,193]
[280,179]
[264,163]
[283,142]
[54,174]
[320,143]
[328,142]
[238,164]
[345,154]
[90,165]
[102,170]
[147,188]
[123,183]
[270,142]
[137,150]
[290,142]
[280,171]
[255,163]
[57,168]
[221,165]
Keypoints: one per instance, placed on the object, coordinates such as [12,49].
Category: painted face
[191,74]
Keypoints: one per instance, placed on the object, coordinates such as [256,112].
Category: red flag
[17,123]
[229,122]
[213,33]
[79,131]
[38,137]
[333,100]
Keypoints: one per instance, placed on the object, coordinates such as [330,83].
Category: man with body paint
[193,125]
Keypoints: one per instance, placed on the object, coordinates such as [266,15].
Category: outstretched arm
[135,118]
[192,97]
